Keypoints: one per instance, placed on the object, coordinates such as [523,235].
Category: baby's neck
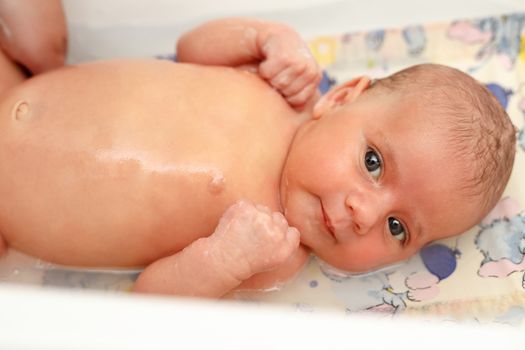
[303,120]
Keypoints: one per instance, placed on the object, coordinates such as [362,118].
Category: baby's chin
[341,272]
[350,267]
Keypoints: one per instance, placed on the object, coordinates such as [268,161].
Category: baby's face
[370,183]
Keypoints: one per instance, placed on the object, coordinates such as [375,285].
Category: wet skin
[121,163]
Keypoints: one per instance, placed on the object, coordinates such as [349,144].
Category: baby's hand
[252,239]
[288,65]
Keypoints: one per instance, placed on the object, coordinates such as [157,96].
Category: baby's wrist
[273,32]
[226,259]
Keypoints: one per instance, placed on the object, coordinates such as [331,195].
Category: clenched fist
[288,65]
[252,239]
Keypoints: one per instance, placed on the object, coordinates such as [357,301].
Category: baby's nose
[364,213]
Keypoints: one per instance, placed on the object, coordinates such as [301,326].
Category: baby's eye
[397,229]
[373,163]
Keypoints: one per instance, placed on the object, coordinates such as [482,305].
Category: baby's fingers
[287,248]
[303,89]
[303,96]
[272,67]
[308,75]
[284,78]
[297,83]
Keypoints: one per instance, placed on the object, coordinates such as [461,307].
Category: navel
[21,111]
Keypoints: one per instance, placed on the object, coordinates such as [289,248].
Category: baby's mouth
[327,222]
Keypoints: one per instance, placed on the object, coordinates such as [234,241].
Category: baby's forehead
[436,116]
[409,112]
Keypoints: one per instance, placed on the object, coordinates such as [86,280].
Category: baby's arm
[248,240]
[273,50]
[33,33]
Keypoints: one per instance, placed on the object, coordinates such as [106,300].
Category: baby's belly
[116,164]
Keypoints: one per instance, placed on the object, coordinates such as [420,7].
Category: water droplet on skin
[43,265]
[216,185]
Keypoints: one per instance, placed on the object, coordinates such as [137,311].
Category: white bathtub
[33,318]
[116,28]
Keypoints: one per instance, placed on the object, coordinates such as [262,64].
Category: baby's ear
[340,95]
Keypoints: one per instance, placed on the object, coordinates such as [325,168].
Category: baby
[207,176]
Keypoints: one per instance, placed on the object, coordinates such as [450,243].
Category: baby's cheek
[368,257]
[363,257]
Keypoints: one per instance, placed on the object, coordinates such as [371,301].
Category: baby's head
[385,168]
